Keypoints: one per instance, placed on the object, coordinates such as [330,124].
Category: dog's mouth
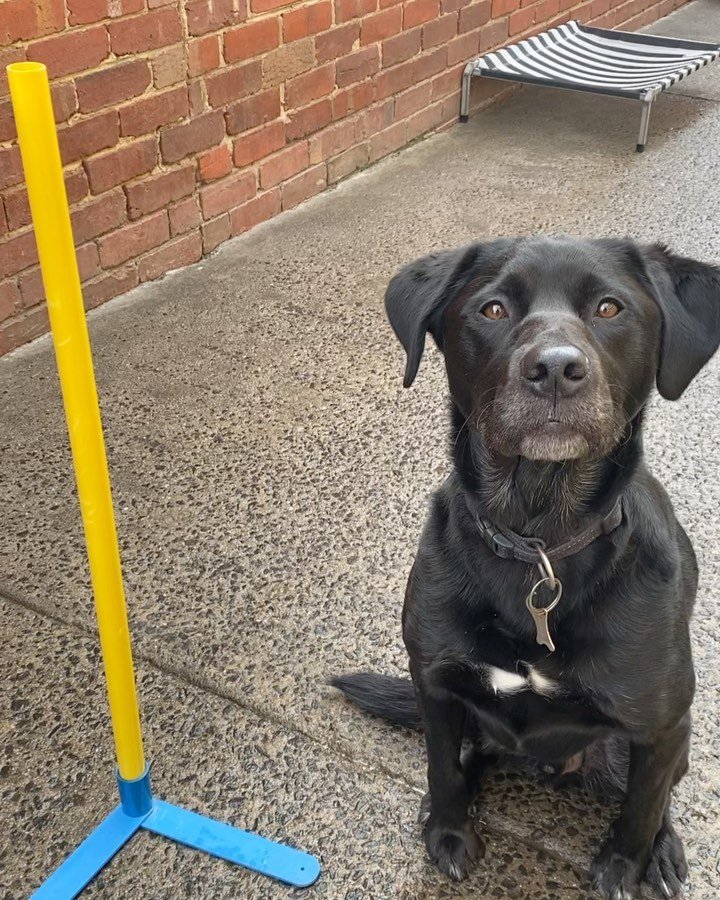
[520,426]
[554,441]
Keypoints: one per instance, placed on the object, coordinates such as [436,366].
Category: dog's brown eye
[494,311]
[608,309]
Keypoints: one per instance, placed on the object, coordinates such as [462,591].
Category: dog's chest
[535,709]
[525,677]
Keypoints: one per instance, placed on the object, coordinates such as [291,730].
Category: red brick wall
[183,122]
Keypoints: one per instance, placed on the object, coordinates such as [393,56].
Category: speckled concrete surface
[271,478]
[211,756]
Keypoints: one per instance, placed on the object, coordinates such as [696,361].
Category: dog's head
[553,345]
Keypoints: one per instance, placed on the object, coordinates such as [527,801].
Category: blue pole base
[138,809]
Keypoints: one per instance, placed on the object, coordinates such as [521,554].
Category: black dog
[552,347]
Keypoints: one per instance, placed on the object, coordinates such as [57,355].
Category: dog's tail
[382,695]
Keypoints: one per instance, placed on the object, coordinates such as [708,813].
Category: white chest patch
[503,681]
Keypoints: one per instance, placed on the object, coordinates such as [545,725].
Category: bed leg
[644,123]
[465,93]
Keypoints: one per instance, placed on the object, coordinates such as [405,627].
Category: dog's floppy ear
[688,295]
[418,295]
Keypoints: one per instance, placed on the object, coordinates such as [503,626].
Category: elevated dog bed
[580,58]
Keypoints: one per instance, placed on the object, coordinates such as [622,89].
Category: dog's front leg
[638,834]
[450,838]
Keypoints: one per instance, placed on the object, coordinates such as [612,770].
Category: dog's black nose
[555,371]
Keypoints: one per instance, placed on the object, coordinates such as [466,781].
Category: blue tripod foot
[138,809]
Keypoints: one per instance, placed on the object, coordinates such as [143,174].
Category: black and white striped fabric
[619,63]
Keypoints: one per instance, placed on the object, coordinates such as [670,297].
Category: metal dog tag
[540,614]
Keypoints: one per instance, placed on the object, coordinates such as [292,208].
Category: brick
[311,19]
[440,31]
[17,206]
[521,20]
[169,67]
[259,6]
[122,164]
[157,192]
[462,48]
[11,55]
[392,81]
[259,144]
[331,141]
[74,51]
[287,62]
[413,100]
[311,86]
[426,120]
[215,232]
[178,253]
[87,12]
[550,8]
[108,286]
[418,12]
[353,9]
[381,25]
[18,252]
[358,66]
[3,220]
[196,98]
[450,111]
[446,83]
[148,31]
[23,20]
[98,216]
[348,162]
[251,40]
[232,84]
[373,120]
[88,136]
[284,165]
[215,163]
[336,42]
[429,64]
[203,55]
[64,100]
[20,330]
[205,131]
[254,111]
[112,85]
[260,209]
[223,195]
[7,121]
[352,99]
[11,171]
[9,299]
[209,15]
[387,141]
[133,240]
[451,6]
[150,113]
[304,186]
[474,16]
[503,7]
[397,49]
[308,120]
[494,34]
[184,216]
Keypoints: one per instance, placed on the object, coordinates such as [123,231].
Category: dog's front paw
[453,850]
[667,869]
[616,876]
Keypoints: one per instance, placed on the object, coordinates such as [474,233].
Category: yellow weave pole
[32,106]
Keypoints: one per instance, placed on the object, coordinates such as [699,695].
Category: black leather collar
[509,545]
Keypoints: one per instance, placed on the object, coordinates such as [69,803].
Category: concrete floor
[271,477]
